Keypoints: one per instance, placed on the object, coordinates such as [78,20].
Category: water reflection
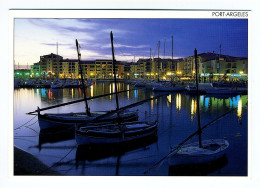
[198,170]
[176,122]
[178,101]
[193,108]
[239,109]
[169,100]
[91,91]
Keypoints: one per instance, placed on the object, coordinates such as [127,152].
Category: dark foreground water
[177,116]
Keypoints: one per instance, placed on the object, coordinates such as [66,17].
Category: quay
[27,164]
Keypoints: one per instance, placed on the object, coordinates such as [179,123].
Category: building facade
[211,67]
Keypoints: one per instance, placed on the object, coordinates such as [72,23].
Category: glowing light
[241,72]
[110,91]
[239,108]
[169,97]
[128,92]
[193,106]
[91,91]
[178,101]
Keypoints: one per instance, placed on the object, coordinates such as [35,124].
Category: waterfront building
[35,70]
[103,69]
[69,68]
[165,68]
[50,66]
[213,67]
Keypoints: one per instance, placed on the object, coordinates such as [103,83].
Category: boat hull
[68,120]
[167,89]
[223,91]
[191,154]
[115,137]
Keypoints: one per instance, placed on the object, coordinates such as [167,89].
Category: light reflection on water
[176,113]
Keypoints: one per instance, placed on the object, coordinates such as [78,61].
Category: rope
[58,161]
[25,123]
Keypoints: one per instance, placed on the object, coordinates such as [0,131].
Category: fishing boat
[56,121]
[219,90]
[168,88]
[67,120]
[196,153]
[114,133]
[202,151]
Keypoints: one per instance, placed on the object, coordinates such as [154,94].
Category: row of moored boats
[204,88]
[49,83]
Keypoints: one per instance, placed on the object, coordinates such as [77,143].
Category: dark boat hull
[68,120]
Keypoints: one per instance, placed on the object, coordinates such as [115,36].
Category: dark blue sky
[132,37]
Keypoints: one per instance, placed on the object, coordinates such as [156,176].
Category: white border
[162,181]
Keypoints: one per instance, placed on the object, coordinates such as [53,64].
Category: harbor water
[175,112]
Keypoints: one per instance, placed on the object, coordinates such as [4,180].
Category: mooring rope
[58,161]
[25,123]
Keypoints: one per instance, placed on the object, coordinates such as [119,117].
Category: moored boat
[66,120]
[114,133]
[168,88]
[194,154]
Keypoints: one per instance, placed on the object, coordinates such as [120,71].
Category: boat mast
[158,61]
[114,69]
[173,70]
[58,64]
[82,79]
[198,100]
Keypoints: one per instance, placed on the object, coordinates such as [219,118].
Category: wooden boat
[202,151]
[224,91]
[168,88]
[114,133]
[194,154]
[66,120]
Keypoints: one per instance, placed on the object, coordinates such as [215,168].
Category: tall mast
[58,64]
[158,60]
[164,50]
[198,100]
[114,70]
[82,79]
[172,54]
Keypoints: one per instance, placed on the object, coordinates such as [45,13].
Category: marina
[176,116]
[150,117]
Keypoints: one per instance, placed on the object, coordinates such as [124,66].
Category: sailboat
[115,133]
[53,121]
[196,153]
[203,151]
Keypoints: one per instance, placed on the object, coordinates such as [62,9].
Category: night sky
[133,38]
